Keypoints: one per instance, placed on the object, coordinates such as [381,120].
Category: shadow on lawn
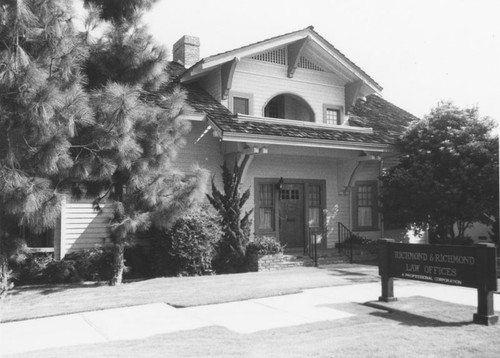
[52,288]
[418,320]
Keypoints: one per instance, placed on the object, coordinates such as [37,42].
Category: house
[308,126]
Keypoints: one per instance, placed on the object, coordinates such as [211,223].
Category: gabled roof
[387,120]
[316,47]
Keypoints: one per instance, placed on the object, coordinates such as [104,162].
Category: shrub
[187,248]
[60,272]
[93,264]
[85,265]
[137,262]
[30,269]
[362,243]
[264,245]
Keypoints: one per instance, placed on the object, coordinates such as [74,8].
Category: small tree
[447,176]
[236,229]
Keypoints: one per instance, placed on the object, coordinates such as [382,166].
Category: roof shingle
[387,121]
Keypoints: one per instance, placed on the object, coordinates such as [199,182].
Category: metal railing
[314,239]
[345,241]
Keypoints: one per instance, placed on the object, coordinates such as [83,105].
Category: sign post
[466,266]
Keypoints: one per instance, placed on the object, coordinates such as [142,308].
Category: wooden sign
[467,266]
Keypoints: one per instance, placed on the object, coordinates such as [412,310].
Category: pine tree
[42,102]
[126,157]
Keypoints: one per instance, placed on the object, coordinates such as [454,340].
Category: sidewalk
[243,317]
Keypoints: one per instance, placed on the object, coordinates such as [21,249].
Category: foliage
[84,265]
[85,115]
[187,248]
[448,174]
[92,264]
[42,102]
[126,158]
[31,269]
[137,258]
[361,243]
[231,249]
[264,245]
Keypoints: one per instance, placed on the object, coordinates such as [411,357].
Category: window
[44,239]
[240,105]
[314,205]
[332,114]
[365,206]
[290,194]
[275,108]
[240,102]
[266,207]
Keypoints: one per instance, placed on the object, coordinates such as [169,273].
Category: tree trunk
[118,265]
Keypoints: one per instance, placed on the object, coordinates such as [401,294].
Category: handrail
[315,237]
[344,235]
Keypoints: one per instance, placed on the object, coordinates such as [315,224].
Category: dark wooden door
[291,215]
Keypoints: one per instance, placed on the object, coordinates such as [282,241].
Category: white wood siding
[203,151]
[82,227]
[265,81]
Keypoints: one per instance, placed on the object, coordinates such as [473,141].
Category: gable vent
[278,56]
[308,65]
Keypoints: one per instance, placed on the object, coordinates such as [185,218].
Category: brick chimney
[187,50]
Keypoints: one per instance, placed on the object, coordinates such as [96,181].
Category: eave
[301,142]
[297,42]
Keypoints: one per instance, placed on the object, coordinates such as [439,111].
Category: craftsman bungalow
[307,125]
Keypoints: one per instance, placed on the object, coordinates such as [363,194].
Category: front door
[291,215]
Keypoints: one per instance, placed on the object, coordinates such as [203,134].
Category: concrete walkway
[244,317]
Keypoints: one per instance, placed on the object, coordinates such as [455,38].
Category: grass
[428,328]
[49,300]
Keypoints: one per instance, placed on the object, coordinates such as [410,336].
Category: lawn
[49,300]
[428,328]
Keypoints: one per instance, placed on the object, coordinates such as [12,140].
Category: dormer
[297,77]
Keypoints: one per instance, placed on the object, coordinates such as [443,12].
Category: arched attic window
[289,106]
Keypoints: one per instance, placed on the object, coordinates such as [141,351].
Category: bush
[30,270]
[92,264]
[137,262]
[264,245]
[361,243]
[86,265]
[60,272]
[187,248]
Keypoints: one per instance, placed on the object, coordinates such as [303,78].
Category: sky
[420,52]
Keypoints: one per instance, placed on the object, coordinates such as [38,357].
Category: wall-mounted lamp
[279,186]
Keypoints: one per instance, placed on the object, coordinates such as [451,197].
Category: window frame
[321,200]
[257,206]
[374,206]
[243,95]
[333,107]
